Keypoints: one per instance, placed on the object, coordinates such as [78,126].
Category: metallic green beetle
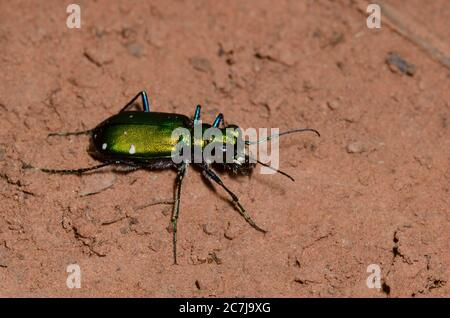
[144,139]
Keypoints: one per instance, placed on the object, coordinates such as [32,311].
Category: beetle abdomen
[137,136]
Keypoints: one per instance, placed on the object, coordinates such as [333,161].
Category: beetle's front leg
[176,207]
[209,173]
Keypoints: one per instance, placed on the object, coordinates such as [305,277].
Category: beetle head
[237,161]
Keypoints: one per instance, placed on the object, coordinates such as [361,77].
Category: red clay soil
[374,189]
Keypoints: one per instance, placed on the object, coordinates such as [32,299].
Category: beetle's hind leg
[208,172]
[176,207]
[73,171]
[69,133]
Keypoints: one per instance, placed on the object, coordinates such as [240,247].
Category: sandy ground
[374,189]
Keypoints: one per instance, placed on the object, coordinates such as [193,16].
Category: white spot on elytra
[131,116]
[104,146]
[132,150]
[125,132]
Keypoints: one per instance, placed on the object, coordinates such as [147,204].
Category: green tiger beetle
[144,140]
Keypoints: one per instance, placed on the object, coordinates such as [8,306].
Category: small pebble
[3,257]
[128,33]
[288,57]
[135,49]
[231,232]
[212,257]
[66,223]
[333,105]
[397,64]
[356,147]
[155,245]
[201,64]
[209,228]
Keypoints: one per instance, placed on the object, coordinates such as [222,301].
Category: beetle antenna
[247,142]
[270,167]
[274,169]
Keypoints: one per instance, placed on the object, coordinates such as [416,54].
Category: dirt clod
[356,147]
[397,64]
[201,64]
[232,231]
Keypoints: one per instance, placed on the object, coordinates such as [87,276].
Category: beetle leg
[197,114]
[218,121]
[208,172]
[69,133]
[145,102]
[176,207]
[75,171]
